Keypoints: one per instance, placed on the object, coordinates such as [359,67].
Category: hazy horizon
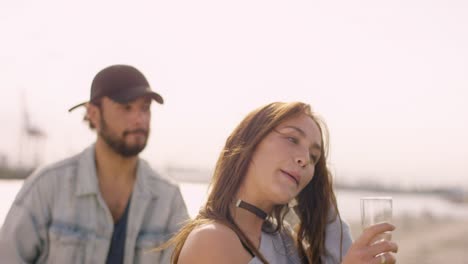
[389,78]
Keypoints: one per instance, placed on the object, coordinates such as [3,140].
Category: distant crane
[31,140]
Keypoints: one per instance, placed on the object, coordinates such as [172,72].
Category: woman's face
[284,161]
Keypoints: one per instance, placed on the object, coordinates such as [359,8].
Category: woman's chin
[284,197]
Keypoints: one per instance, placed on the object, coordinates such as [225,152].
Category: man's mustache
[136,131]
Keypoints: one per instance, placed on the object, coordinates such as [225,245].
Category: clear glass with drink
[374,210]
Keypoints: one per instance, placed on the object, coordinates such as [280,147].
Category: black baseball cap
[122,84]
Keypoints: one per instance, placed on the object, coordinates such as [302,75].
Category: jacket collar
[87,180]
[145,181]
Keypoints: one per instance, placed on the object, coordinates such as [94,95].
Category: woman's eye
[292,139]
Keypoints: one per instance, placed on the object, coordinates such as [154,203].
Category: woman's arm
[213,243]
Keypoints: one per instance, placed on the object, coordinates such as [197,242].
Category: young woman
[275,159]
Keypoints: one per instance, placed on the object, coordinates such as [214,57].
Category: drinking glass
[376,210]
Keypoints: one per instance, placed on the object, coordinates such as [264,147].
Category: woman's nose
[302,160]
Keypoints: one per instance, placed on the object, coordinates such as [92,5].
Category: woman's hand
[366,250]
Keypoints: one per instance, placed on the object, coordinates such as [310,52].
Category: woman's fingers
[369,234]
[385,236]
[385,258]
[383,246]
[373,246]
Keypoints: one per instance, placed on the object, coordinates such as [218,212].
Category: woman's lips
[292,176]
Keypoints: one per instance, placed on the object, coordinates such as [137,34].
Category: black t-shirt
[117,246]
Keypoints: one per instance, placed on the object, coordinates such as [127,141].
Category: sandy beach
[429,240]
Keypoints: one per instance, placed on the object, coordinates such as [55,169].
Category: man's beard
[118,144]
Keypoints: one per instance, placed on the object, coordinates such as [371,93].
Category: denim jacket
[59,216]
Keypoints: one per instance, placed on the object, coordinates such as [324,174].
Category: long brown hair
[314,202]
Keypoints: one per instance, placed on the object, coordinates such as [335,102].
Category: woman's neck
[248,216]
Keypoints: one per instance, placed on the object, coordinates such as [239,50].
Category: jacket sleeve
[23,236]
[337,241]
[177,219]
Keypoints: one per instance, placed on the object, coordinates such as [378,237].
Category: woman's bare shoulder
[213,243]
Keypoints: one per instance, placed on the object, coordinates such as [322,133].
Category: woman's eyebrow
[297,129]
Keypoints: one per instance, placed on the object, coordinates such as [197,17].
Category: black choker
[252,208]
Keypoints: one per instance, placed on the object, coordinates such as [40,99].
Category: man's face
[125,127]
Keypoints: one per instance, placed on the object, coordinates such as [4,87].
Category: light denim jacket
[59,216]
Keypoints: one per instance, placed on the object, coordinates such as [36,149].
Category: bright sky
[389,77]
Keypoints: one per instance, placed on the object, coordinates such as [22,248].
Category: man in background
[104,205]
